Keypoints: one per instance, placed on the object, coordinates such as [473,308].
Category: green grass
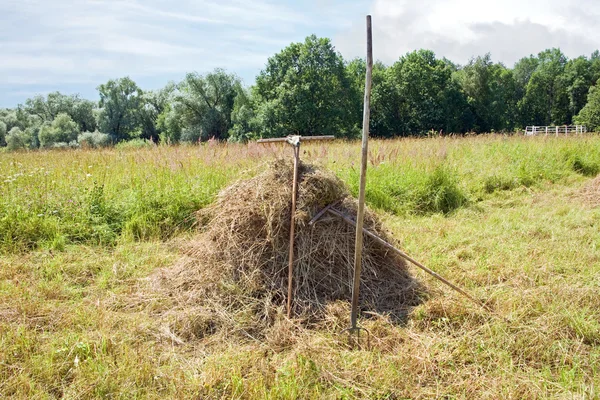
[500,216]
[100,197]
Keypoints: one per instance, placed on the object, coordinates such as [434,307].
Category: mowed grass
[500,216]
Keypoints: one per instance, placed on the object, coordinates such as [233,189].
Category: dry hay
[591,192]
[234,275]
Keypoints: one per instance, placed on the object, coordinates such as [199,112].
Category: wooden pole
[292,227]
[363,176]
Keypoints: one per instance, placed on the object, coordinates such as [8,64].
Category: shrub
[32,133]
[584,167]
[93,139]
[65,145]
[18,139]
[441,193]
[62,129]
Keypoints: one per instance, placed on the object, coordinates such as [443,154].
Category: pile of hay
[234,275]
[591,192]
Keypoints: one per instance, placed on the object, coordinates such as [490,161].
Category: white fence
[555,130]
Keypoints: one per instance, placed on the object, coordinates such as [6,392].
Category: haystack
[234,274]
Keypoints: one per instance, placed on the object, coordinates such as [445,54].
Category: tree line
[309,89]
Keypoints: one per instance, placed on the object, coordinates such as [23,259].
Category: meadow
[502,216]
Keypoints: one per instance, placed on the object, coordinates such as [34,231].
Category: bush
[64,145]
[62,129]
[33,133]
[18,139]
[441,193]
[93,140]
[409,189]
[583,167]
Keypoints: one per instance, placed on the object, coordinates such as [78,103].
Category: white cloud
[73,44]
[74,41]
[461,29]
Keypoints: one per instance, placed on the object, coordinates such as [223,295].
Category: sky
[74,45]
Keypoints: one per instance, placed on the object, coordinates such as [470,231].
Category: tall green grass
[100,197]
[444,174]
[55,198]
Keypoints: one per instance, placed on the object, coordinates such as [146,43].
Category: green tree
[2,133]
[385,98]
[304,90]
[595,66]
[47,109]
[578,79]
[522,72]
[203,105]
[9,118]
[546,100]
[243,118]
[590,113]
[61,130]
[120,102]
[490,92]
[153,104]
[83,113]
[29,125]
[169,126]
[429,99]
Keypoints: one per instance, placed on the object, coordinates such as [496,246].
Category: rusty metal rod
[292,227]
[295,141]
[409,258]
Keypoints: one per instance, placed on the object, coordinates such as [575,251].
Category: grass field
[500,216]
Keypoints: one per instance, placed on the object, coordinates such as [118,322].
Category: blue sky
[74,45]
